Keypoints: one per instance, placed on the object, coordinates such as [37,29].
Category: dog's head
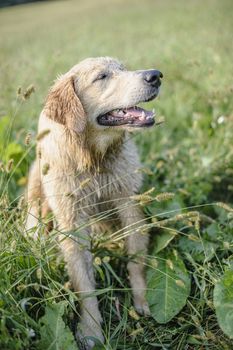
[101,93]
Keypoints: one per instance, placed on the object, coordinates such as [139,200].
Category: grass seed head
[164,196]
[39,273]
[175,252]
[42,134]
[84,183]
[2,168]
[9,165]
[143,198]
[226,245]
[180,283]
[98,261]
[19,91]
[67,285]
[146,171]
[45,169]
[193,238]
[21,287]
[133,314]
[27,93]
[28,139]
[21,203]
[160,120]
[106,259]
[154,263]
[224,206]
[170,264]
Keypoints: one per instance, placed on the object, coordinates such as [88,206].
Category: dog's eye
[101,76]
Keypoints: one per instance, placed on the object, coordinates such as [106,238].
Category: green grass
[190,155]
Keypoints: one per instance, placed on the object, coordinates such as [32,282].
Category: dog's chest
[116,178]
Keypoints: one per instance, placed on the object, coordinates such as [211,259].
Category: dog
[85,157]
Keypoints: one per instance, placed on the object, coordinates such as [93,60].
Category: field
[188,169]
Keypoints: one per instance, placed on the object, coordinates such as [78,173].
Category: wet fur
[75,150]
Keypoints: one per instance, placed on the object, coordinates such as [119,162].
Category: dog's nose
[152,77]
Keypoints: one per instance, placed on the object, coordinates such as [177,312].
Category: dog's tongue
[136,112]
[132,116]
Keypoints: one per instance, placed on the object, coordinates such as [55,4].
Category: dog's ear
[63,105]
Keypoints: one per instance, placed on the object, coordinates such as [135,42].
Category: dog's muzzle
[135,116]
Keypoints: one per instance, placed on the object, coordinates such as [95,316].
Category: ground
[190,155]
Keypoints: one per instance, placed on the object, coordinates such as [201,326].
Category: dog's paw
[87,333]
[141,306]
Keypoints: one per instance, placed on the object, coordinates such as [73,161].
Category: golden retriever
[85,157]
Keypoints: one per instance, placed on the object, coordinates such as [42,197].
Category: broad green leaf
[55,335]
[203,250]
[14,150]
[168,287]
[162,239]
[223,302]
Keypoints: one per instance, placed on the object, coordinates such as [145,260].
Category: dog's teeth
[121,112]
[143,114]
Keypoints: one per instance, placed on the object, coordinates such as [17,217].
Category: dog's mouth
[133,117]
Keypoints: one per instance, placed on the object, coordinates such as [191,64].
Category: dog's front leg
[79,265]
[132,218]
[74,239]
